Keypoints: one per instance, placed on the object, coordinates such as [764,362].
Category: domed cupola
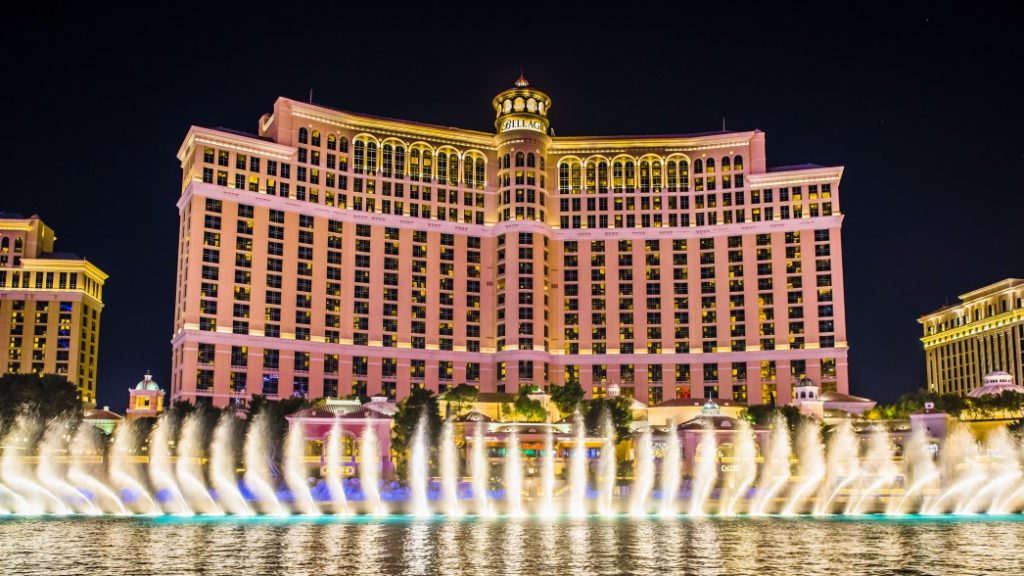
[521,108]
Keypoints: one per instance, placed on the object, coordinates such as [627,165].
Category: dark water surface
[733,546]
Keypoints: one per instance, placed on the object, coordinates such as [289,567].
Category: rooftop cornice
[669,143]
[796,176]
[392,127]
[63,265]
[231,140]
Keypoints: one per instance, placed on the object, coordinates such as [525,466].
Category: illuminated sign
[521,124]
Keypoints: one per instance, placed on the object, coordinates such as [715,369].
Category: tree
[620,409]
[527,409]
[764,415]
[45,396]
[460,397]
[566,398]
[419,404]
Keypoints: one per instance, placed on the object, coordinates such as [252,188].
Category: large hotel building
[50,305]
[983,333]
[337,253]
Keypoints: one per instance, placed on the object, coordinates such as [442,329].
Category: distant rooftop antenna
[310,95]
[723,123]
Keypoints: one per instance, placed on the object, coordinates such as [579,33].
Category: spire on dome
[521,82]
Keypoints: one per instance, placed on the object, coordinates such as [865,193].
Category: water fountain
[481,475]
[61,468]
[332,476]
[418,470]
[743,469]
[189,470]
[450,471]
[811,462]
[606,468]
[257,468]
[578,470]
[295,471]
[776,471]
[547,473]
[161,470]
[643,468]
[369,472]
[513,477]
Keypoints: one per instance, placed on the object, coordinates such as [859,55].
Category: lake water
[363,546]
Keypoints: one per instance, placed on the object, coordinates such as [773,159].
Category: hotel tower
[50,305]
[335,253]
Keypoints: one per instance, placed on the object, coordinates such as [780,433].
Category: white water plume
[369,472]
[189,468]
[418,470]
[257,467]
[223,472]
[705,473]
[548,475]
[743,468]
[295,471]
[776,471]
[333,463]
[480,473]
[122,473]
[606,468]
[450,471]
[513,477]
[643,467]
[578,470]
[811,466]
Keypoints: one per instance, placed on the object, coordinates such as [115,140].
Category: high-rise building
[983,333]
[50,305]
[336,253]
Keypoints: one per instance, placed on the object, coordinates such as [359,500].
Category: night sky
[921,104]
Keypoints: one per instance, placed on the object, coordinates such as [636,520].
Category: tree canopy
[620,409]
[460,397]
[45,396]
[566,398]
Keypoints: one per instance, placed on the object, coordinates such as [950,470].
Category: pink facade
[336,253]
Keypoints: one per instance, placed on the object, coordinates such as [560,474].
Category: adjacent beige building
[50,305]
[983,333]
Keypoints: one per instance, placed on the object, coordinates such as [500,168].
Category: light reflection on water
[598,546]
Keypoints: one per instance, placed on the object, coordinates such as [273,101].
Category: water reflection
[737,546]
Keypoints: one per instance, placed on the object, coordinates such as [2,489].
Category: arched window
[709,166]
[453,168]
[371,157]
[725,164]
[303,136]
[399,162]
[602,177]
[19,244]
[520,159]
[630,176]
[671,174]
[507,163]
[481,174]
[563,177]
[467,171]
[617,176]
[343,144]
[359,161]
[531,160]
[442,168]
[575,177]
[428,165]
[656,175]
[684,176]
[332,142]
[698,166]
[591,180]
[414,164]
[387,156]
[737,162]
[315,140]
[5,245]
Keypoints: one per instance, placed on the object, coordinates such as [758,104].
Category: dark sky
[921,103]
